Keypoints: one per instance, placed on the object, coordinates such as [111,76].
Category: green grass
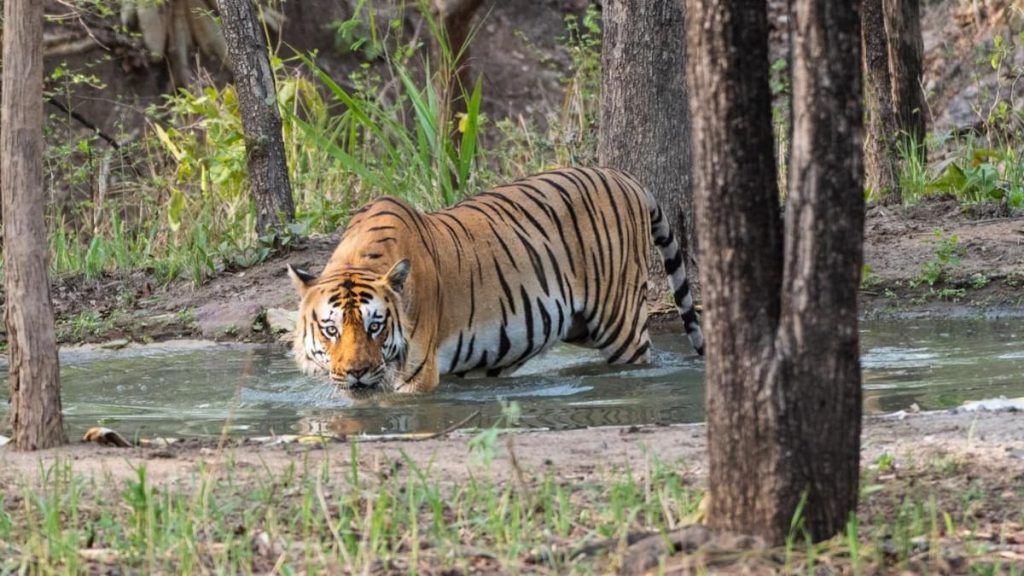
[325,516]
[340,512]
[175,202]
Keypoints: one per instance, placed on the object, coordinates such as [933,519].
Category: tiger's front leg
[423,378]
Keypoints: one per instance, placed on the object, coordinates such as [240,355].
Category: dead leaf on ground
[106,437]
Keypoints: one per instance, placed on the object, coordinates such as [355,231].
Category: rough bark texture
[783,375]
[34,375]
[257,103]
[645,123]
[906,50]
[817,379]
[740,249]
[881,155]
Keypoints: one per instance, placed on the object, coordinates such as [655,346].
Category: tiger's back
[505,274]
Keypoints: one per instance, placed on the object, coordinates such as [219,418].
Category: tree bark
[740,249]
[881,155]
[817,354]
[906,50]
[261,121]
[783,374]
[34,374]
[645,122]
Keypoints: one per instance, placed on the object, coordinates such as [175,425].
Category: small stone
[233,319]
[116,344]
[281,320]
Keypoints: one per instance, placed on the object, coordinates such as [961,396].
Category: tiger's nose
[357,373]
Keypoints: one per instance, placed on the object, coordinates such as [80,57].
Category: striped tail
[676,270]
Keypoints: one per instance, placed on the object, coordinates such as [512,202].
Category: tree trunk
[817,378]
[881,155]
[906,50]
[645,123]
[261,121]
[783,375]
[737,209]
[34,372]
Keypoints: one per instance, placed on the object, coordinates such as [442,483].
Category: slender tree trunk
[906,50]
[261,121]
[34,373]
[645,122]
[881,155]
[783,375]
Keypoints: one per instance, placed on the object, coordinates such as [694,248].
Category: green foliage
[188,212]
[948,252]
[574,131]
[986,166]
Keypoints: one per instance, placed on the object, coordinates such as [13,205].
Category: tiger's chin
[386,381]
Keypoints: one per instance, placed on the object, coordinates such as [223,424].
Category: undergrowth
[337,510]
[983,164]
[175,201]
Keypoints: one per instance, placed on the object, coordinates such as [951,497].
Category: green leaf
[175,209]
[951,180]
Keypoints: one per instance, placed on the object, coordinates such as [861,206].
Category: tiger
[481,287]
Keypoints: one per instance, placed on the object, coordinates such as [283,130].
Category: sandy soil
[989,438]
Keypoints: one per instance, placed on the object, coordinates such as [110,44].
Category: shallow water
[182,390]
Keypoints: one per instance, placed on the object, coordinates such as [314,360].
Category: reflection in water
[251,390]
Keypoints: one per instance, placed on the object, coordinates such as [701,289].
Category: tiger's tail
[661,232]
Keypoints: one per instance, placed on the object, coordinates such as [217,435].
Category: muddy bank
[932,259]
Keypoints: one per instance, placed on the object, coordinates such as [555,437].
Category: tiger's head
[350,326]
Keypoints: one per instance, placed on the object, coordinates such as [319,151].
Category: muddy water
[189,390]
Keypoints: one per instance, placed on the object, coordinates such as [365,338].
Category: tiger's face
[350,326]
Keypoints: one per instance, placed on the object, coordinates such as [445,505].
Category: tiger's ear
[398,274]
[301,279]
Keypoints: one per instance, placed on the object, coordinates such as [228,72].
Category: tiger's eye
[331,331]
[374,327]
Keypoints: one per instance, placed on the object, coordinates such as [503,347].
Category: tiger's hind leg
[621,335]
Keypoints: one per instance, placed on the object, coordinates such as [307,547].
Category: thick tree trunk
[817,378]
[257,103]
[783,378]
[645,122]
[881,155]
[34,373]
[906,50]
[740,249]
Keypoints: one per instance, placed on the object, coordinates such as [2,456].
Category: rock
[281,320]
[1001,404]
[116,344]
[233,319]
